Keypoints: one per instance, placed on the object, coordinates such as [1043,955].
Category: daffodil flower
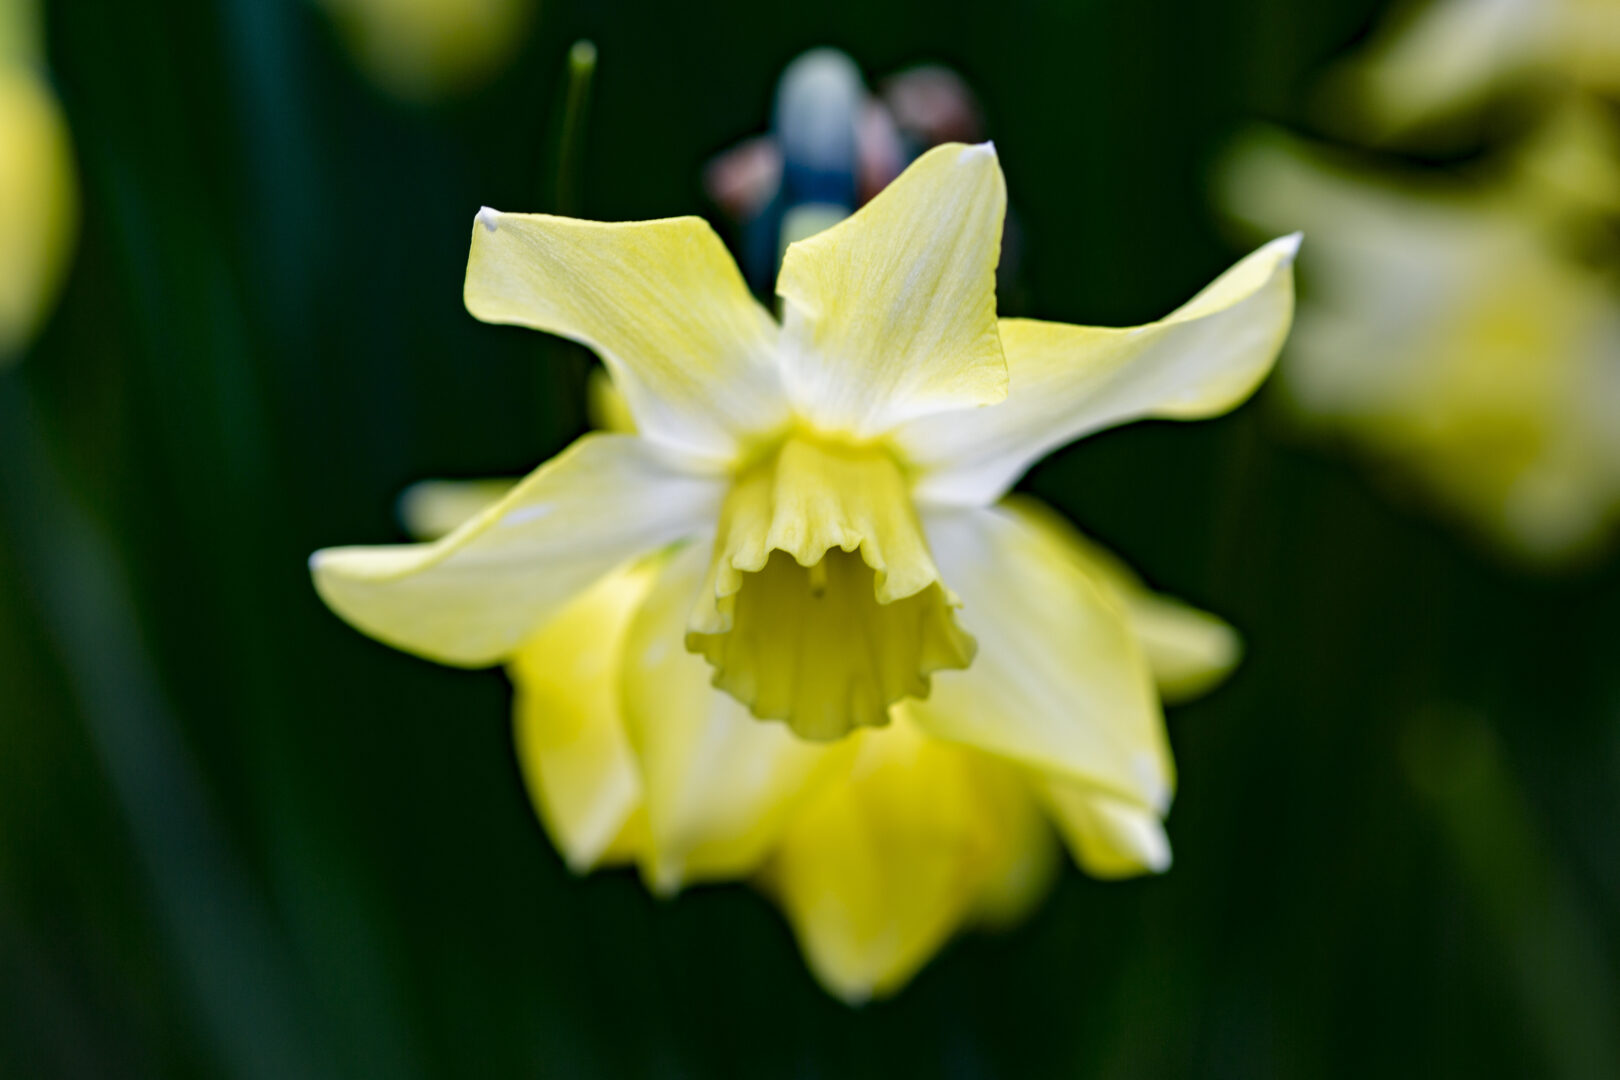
[808,517]
[1450,56]
[1453,334]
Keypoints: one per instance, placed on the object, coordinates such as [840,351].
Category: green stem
[581,70]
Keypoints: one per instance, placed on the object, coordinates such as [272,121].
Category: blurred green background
[238,839]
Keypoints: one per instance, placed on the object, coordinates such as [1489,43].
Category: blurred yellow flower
[812,508]
[1445,57]
[38,188]
[424,49]
[1465,324]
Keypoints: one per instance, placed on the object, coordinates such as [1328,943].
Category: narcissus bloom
[1450,56]
[1466,327]
[1451,334]
[807,526]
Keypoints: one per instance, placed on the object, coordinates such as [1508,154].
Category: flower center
[823,605]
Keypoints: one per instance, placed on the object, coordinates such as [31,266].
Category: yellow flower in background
[1465,324]
[1453,334]
[808,517]
[419,50]
[38,186]
[880,849]
[1446,57]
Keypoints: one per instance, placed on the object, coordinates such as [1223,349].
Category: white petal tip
[1155,783]
[1158,859]
[854,996]
[985,149]
[1288,246]
[488,217]
[663,879]
[1144,837]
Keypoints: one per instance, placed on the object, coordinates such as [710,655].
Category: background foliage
[237,839]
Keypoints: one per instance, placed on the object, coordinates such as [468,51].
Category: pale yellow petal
[472,597]
[1060,681]
[1108,836]
[630,844]
[718,785]
[892,313]
[1189,650]
[571,740]
[1025,858]
[881,869]
[1066,381]
[660,302]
